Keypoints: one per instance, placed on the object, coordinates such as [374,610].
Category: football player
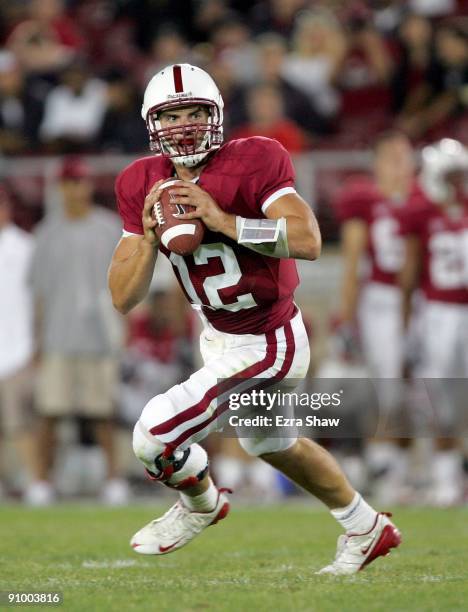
[243,289]
[436,228]
[370,211]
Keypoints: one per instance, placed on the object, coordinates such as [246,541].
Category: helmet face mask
[187,144]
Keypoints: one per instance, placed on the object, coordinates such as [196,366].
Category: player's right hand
[147,216]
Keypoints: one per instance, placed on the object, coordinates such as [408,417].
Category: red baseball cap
[74,167]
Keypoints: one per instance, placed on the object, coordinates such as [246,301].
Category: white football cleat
[355,551]
[177,528]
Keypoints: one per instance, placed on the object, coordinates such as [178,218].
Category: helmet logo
[184,94]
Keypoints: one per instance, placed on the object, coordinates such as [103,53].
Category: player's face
[394,162]
[183,122]
[77,194]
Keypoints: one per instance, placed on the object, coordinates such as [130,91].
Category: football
[179,236]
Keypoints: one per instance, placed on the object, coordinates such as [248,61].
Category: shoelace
[178,511]
[341,546]
[344,539]
[159,213]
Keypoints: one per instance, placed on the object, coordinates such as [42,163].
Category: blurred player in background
[371,210]
[16,338]
[244,293]
[77,329]
[437,261]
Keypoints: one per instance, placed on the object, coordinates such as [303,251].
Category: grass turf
[258,559]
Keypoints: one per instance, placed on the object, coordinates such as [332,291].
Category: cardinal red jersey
[361,199]
[238,290]
[444,249]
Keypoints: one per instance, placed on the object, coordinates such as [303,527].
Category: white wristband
[265,236]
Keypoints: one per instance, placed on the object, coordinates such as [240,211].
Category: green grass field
[258,559]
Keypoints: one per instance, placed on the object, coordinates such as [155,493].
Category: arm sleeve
[273,175]
[130,200]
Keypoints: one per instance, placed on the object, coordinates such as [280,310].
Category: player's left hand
[207,209]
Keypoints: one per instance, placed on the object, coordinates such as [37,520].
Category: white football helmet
[438,160]
[176,86]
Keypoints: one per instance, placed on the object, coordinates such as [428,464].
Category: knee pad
[177,469]
[263,446]
[145,446]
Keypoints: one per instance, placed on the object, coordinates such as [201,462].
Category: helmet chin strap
[188,161]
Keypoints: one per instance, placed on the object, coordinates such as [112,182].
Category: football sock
[205,502]
[357,517]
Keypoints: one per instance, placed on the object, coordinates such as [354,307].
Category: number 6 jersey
[238,290]
[360,199]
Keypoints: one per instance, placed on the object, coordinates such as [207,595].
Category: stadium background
[326,117]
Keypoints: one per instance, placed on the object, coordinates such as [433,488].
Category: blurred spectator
[414,56]
[96,19]
[272,50]
[208,14]
[387,15]
[231,41]
[77,327]
[147,16]
[167,47]
[74,111]
[319,47]
[123,130]
[159,350]
[275,16]
[366,69]
[20,109]
[47,40]
[433,8]
[271,55]
[266,117]
[442,95]
[109,34]
[16,338]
